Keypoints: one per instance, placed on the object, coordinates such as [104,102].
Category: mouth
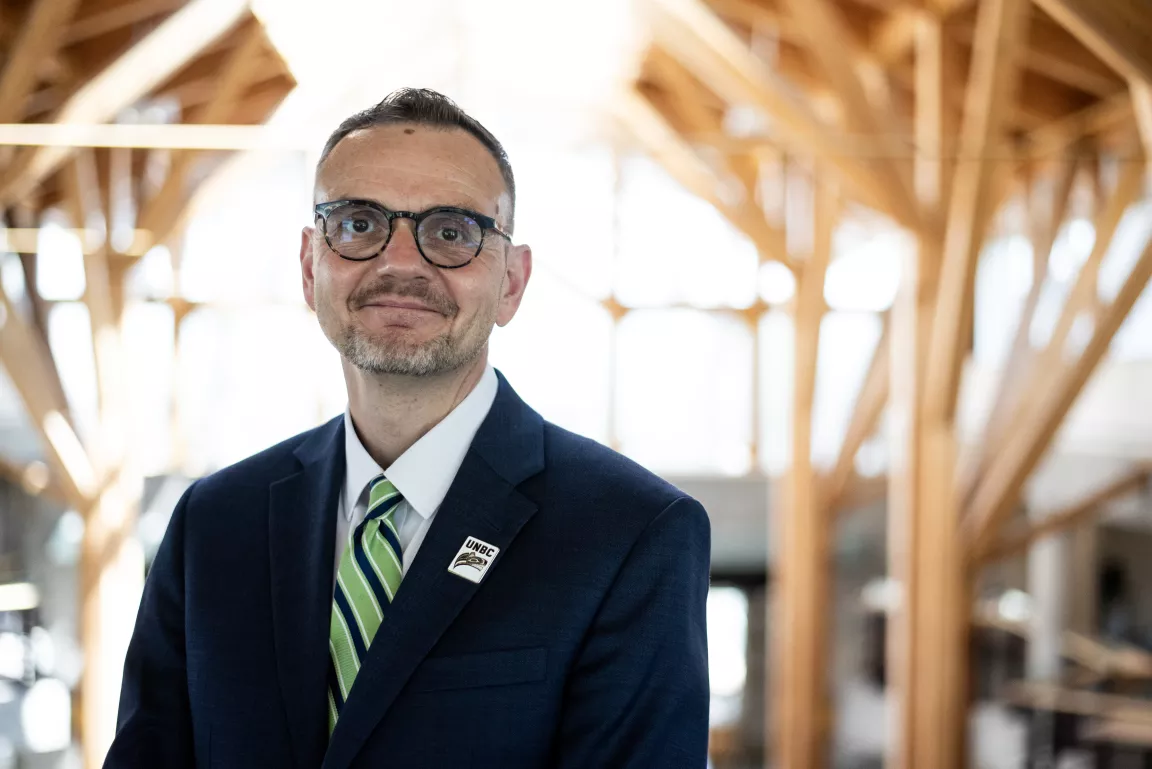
[401,304]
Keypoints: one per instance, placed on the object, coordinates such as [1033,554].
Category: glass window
[847,342]
[727,652]
[60,260]
[1003,279]
[684,400]
[777,356]
[556,353]
[565,211]
[148,354]
[70,339]
[243,245]
[674,247]
[246,379]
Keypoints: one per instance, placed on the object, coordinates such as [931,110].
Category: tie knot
[380,492]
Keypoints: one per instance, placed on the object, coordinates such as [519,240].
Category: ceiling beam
[282,138]
[690,98]
[991,90]
[998,490]
[1052,140]
[1142,109]
[161,213]
[105,20]
[895,37]
[1119,32]
[1065,518]
[1083,295]
[662,142]
[705,45]
[129,78]
[34,378]
[832,42]
[37,41]
[1017,366]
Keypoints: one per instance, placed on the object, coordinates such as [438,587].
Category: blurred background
[864,276]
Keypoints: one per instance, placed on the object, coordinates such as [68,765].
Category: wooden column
[802,565]
[929,635]
[111,561]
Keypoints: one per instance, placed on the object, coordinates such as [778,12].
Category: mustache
[413,289]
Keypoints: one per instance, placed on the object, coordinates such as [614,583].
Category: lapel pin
[473,560]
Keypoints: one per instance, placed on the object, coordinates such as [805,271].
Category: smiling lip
[401,304]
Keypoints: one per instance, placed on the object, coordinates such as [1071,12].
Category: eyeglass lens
[446,238]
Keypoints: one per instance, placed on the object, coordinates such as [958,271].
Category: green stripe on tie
[367,581]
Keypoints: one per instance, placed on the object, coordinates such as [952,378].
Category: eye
[448,234]
[357,226]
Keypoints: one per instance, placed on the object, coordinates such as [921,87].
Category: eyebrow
[451,204]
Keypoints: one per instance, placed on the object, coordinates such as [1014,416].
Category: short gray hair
[424,106]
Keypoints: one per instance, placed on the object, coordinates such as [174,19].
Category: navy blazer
[583,646]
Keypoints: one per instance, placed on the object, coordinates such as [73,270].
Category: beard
[396,353]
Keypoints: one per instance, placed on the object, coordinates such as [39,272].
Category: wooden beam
[802,711]
[755,16]
[895,37]
[998,491]
[748,213]
[1142,109]
[1020,356]
[1053,53]
[161,213]
[1117,31]
[32,376]
[1057,138]
[927,649]
[104,20]
[653,132]
[1065,518]
[991,88]
[162,136]
[833,44]
[718,58]
[870,403]
[147,64]
[37,40]
[1046,365]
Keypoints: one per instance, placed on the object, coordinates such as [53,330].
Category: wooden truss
[96,62]
[933,113]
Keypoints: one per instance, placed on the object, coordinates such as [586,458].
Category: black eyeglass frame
[323,210]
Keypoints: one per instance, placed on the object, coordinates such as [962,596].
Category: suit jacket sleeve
[638,694]
[154,727]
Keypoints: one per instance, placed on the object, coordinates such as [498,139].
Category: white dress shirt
[422,474]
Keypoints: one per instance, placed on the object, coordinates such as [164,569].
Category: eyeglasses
[446,237]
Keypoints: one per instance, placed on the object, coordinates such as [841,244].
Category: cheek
[477,293]
[334,285]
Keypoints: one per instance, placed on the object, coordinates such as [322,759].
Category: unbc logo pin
[473,560]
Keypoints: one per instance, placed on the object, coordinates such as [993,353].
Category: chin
[397,356]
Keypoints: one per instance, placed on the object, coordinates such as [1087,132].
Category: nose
[402,254]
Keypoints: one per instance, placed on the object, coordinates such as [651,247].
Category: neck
[391,412]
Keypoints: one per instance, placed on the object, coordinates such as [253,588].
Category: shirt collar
[424,472]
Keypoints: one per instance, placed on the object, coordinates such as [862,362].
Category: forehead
[414,167]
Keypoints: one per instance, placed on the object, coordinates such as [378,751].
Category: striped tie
[368,578]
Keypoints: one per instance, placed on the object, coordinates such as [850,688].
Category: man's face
[396,313]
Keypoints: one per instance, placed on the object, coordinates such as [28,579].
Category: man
[439,578]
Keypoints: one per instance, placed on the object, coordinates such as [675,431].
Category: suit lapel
[483,503]
[302,538]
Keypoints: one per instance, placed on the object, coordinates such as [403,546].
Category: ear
[517,271]
[306,267]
